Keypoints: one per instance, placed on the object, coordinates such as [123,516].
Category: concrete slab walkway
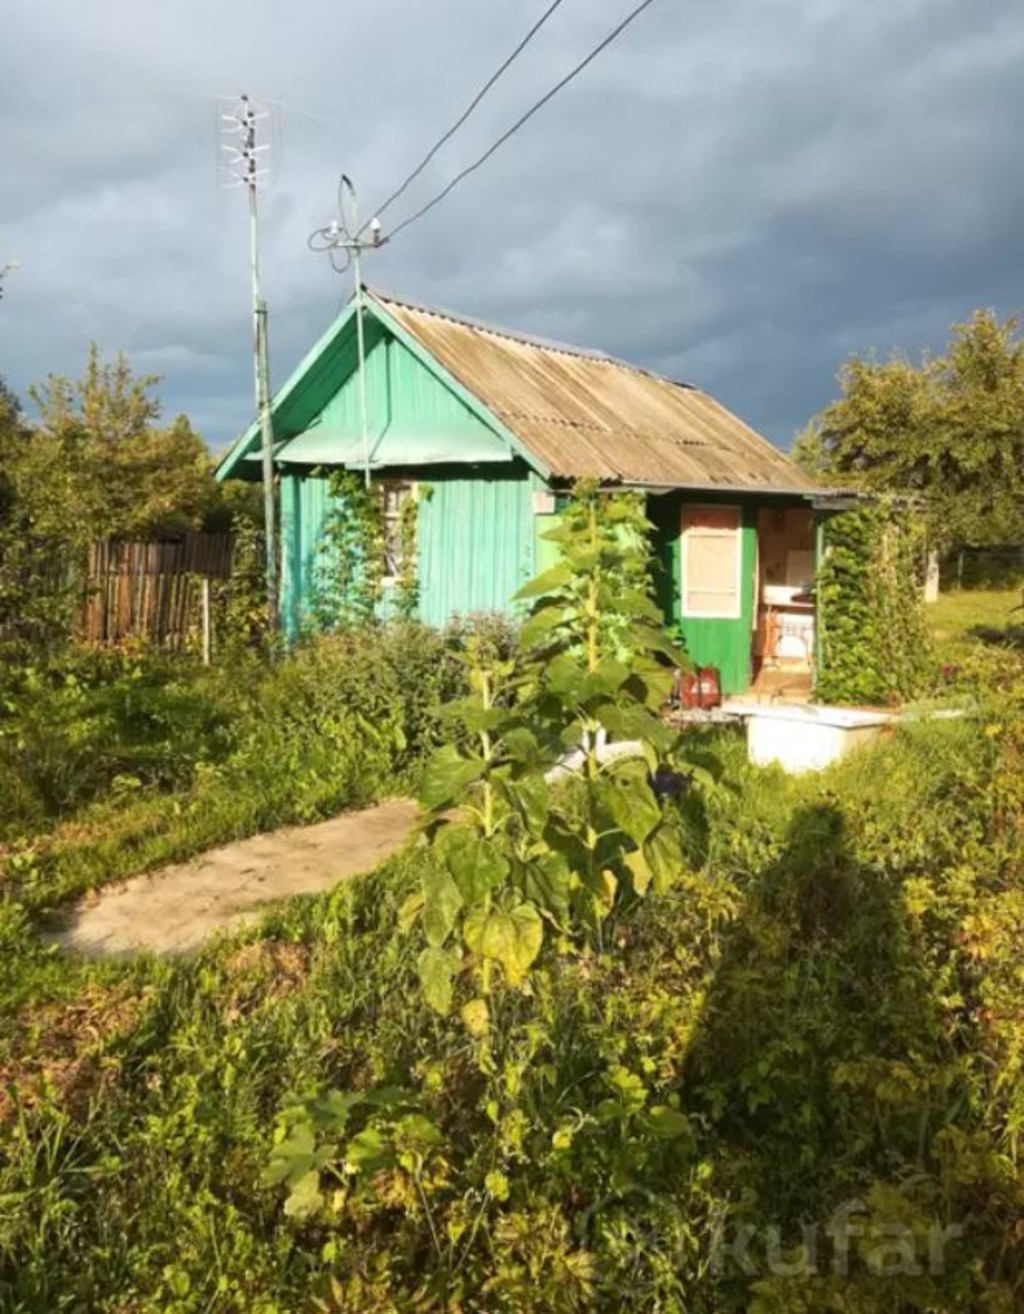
[175,909]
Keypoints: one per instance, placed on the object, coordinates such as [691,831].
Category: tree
[135,479]
[98,464]
[950,430]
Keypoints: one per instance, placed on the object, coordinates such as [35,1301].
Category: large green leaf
[547,884]
[522,747]
[447,775]
[540,626]
[532,799]
[566,677]
[664,855]
[609,676]
[648,638]
[549,582]
[511,939]
[441,903]
[632,805]
[631,721]
[668,1123]
[436,968]
[304,1196]
[640,870]
[475,717]
[478,867]
[369,1151]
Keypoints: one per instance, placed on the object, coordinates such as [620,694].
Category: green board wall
[475,539]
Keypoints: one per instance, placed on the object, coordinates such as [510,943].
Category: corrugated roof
[584,414]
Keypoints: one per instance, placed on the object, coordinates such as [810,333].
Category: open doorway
[784,638]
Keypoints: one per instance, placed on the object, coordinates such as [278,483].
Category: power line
[521,122]
[443,141]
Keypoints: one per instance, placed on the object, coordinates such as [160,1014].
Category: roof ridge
[516,335]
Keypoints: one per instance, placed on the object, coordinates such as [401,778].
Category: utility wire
[443,141]
[521,122]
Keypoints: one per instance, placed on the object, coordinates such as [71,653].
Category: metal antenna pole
[261,362]
[357,262]
[344,235]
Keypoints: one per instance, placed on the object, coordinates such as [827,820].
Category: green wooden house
[499,424]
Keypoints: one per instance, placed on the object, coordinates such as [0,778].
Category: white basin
[801,737]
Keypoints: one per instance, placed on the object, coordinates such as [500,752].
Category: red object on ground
[701,688]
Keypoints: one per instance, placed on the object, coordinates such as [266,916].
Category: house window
[712,562]
[394,494]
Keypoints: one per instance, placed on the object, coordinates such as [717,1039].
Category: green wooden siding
[412,418]
[476,543]
[726,644]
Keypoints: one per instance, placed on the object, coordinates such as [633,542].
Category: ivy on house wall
[874,643]
[348,586]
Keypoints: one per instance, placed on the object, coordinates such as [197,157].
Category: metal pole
[262,370]
[357,262]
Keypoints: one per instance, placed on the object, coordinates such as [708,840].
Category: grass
[762,1006]
[961,620]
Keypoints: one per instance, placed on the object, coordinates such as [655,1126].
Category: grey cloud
[738,194]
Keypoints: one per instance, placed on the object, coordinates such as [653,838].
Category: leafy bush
[118,762]
[874,644]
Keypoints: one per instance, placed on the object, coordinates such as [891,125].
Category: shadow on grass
[1010,635]
[821,1067]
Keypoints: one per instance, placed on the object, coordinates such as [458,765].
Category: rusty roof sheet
[581,413]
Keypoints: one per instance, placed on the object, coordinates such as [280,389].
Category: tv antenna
[244,163]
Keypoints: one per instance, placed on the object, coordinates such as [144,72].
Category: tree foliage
[129,475]
[96,464]
[874,647]
[950,430]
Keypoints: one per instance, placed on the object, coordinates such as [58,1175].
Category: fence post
[206,620]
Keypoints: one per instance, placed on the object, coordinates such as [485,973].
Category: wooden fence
[152,591]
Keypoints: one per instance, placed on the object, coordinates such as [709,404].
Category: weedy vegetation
[617,1040]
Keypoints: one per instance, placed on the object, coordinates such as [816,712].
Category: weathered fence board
[151,591]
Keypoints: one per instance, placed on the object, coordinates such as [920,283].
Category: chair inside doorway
[784,638]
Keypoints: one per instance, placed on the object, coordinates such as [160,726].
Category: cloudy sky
[738,194]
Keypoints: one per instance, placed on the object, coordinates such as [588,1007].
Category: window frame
[687,511]
[411,487]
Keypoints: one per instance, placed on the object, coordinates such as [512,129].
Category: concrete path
[175,909]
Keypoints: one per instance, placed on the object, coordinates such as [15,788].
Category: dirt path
[176,908]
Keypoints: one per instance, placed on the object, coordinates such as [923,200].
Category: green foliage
[96,465]
[347,589]
[874,641]
[950,430]
[519,857]
[405,600]
[825,1009]
[112,762]
[240,617]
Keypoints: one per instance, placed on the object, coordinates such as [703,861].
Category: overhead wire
[467,113]
[523,120]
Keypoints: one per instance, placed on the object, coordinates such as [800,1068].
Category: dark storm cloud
[738,194]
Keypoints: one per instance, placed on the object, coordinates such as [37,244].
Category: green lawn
[958,614]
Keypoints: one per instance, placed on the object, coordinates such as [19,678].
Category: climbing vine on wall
[875,647]
[406,595]
[348,587]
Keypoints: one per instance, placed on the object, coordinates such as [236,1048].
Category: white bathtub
[804,737]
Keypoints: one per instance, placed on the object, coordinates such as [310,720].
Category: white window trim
[686,612]
[390,581]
